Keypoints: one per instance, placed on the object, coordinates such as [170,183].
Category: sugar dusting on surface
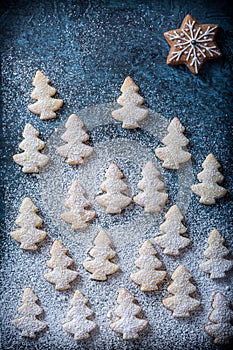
[127,231]
[88,79]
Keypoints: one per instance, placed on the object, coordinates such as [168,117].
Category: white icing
[191,43]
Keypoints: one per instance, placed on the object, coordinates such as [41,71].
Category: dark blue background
[89,47]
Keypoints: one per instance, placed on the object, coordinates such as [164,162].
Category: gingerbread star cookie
[192,44]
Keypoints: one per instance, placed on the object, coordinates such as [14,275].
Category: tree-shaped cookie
[221,318]
[28,323]
[173,153]
[215,264]
[126,314]
[208,189]
[115,198]
[131,112]
[77,320]
[172,240]
[46,105]
[153,197]
[101,266]
[60,275]
[28,235]
[149,275]
[75,150]
[78,215]
[181,303]
[31,159]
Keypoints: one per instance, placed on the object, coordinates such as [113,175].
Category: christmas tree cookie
[28,323]
[29,235]
[173,153]
[208,189]
[78,215]
[46,105]
[216,264]
[115,199]
[221,318]
[31,159]
[131,112]
[181,303]
[101,266]
[75,149]
[77,320]
[126,320]
[172,240]
[152,198]
[149,275]
[60,275]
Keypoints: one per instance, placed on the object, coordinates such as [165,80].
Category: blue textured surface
[89,47]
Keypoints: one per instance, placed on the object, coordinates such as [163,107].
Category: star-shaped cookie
[192,44]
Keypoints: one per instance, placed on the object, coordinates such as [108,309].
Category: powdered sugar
[128,231]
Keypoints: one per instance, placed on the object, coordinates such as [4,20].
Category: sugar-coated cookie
[29,234]
[101,266]
[75,149]
[77,320]
[173,153]
[153,196]
[115,199]
[31,159]
[131,112]
[28,323]
[181,303]
[125,315]
[149,275]
[46,105]
[61,275]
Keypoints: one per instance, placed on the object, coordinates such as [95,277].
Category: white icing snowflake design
[194,42]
